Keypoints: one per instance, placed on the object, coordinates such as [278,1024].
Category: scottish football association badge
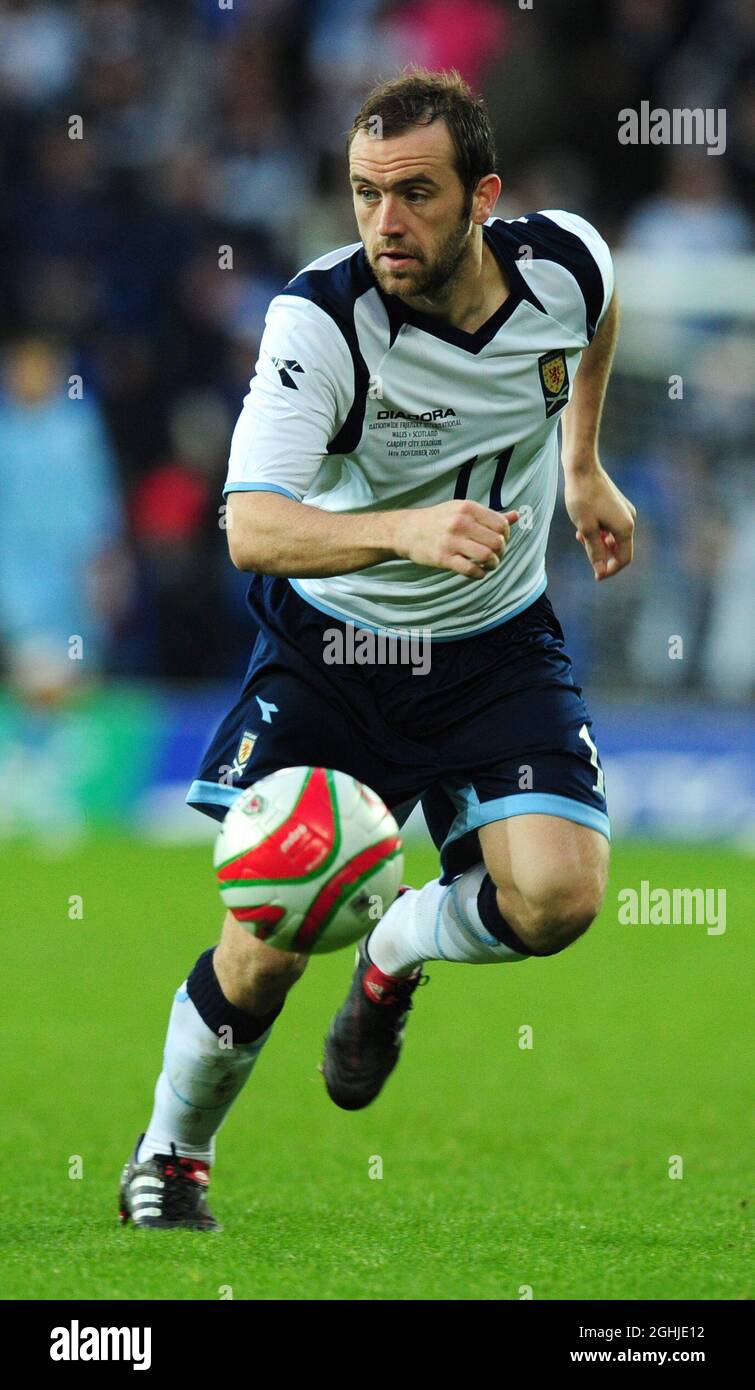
[246,745]
[554,379]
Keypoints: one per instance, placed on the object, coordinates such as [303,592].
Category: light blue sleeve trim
[213,793]
[457,637]
[527,803]
[259,487]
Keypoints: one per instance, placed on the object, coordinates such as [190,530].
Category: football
[308,859]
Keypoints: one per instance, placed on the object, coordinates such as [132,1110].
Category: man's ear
[485,197]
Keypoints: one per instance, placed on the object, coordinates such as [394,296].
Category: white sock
[200,1079]
[437,922]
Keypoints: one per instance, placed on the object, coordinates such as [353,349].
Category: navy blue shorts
[495,728]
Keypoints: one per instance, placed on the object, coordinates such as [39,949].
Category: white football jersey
[360,403]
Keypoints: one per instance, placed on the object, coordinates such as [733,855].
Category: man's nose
[390,222]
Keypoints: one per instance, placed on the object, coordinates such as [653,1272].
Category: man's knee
[246,966]
[550,875]
[560,914]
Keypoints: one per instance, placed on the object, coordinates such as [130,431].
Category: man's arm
[279,443]
[604,518]
[271,534]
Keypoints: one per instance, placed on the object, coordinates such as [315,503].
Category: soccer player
[395,467]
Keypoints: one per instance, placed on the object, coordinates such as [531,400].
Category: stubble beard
[429,280]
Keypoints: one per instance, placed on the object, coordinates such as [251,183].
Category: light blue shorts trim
[476,814]
[213,793]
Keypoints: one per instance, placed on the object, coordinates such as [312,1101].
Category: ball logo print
[302,853]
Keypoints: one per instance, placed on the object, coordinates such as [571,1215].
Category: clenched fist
[462,536]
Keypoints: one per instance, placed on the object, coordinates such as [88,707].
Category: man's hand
[462,536]
[604,519]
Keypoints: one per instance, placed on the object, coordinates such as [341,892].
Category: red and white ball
[307,859]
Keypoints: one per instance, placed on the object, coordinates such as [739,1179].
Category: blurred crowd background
[207,125]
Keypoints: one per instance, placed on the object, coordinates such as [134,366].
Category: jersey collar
[503,243]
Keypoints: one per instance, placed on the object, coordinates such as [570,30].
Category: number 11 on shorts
[601,782]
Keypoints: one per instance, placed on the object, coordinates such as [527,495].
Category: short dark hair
[419,97]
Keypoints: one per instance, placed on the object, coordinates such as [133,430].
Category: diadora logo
[440,413]
[284,366]
[267,709]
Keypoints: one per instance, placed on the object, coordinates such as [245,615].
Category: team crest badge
[246,745]
[554,379]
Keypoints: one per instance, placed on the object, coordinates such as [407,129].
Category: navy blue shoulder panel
[336,290]
[551,242]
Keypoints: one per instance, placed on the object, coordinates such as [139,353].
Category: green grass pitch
[504,1169]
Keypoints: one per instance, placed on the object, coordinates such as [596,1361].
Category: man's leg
[221,1018]
[539,888]
[550,878]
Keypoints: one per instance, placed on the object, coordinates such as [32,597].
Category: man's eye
[416,195]
[367,193]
